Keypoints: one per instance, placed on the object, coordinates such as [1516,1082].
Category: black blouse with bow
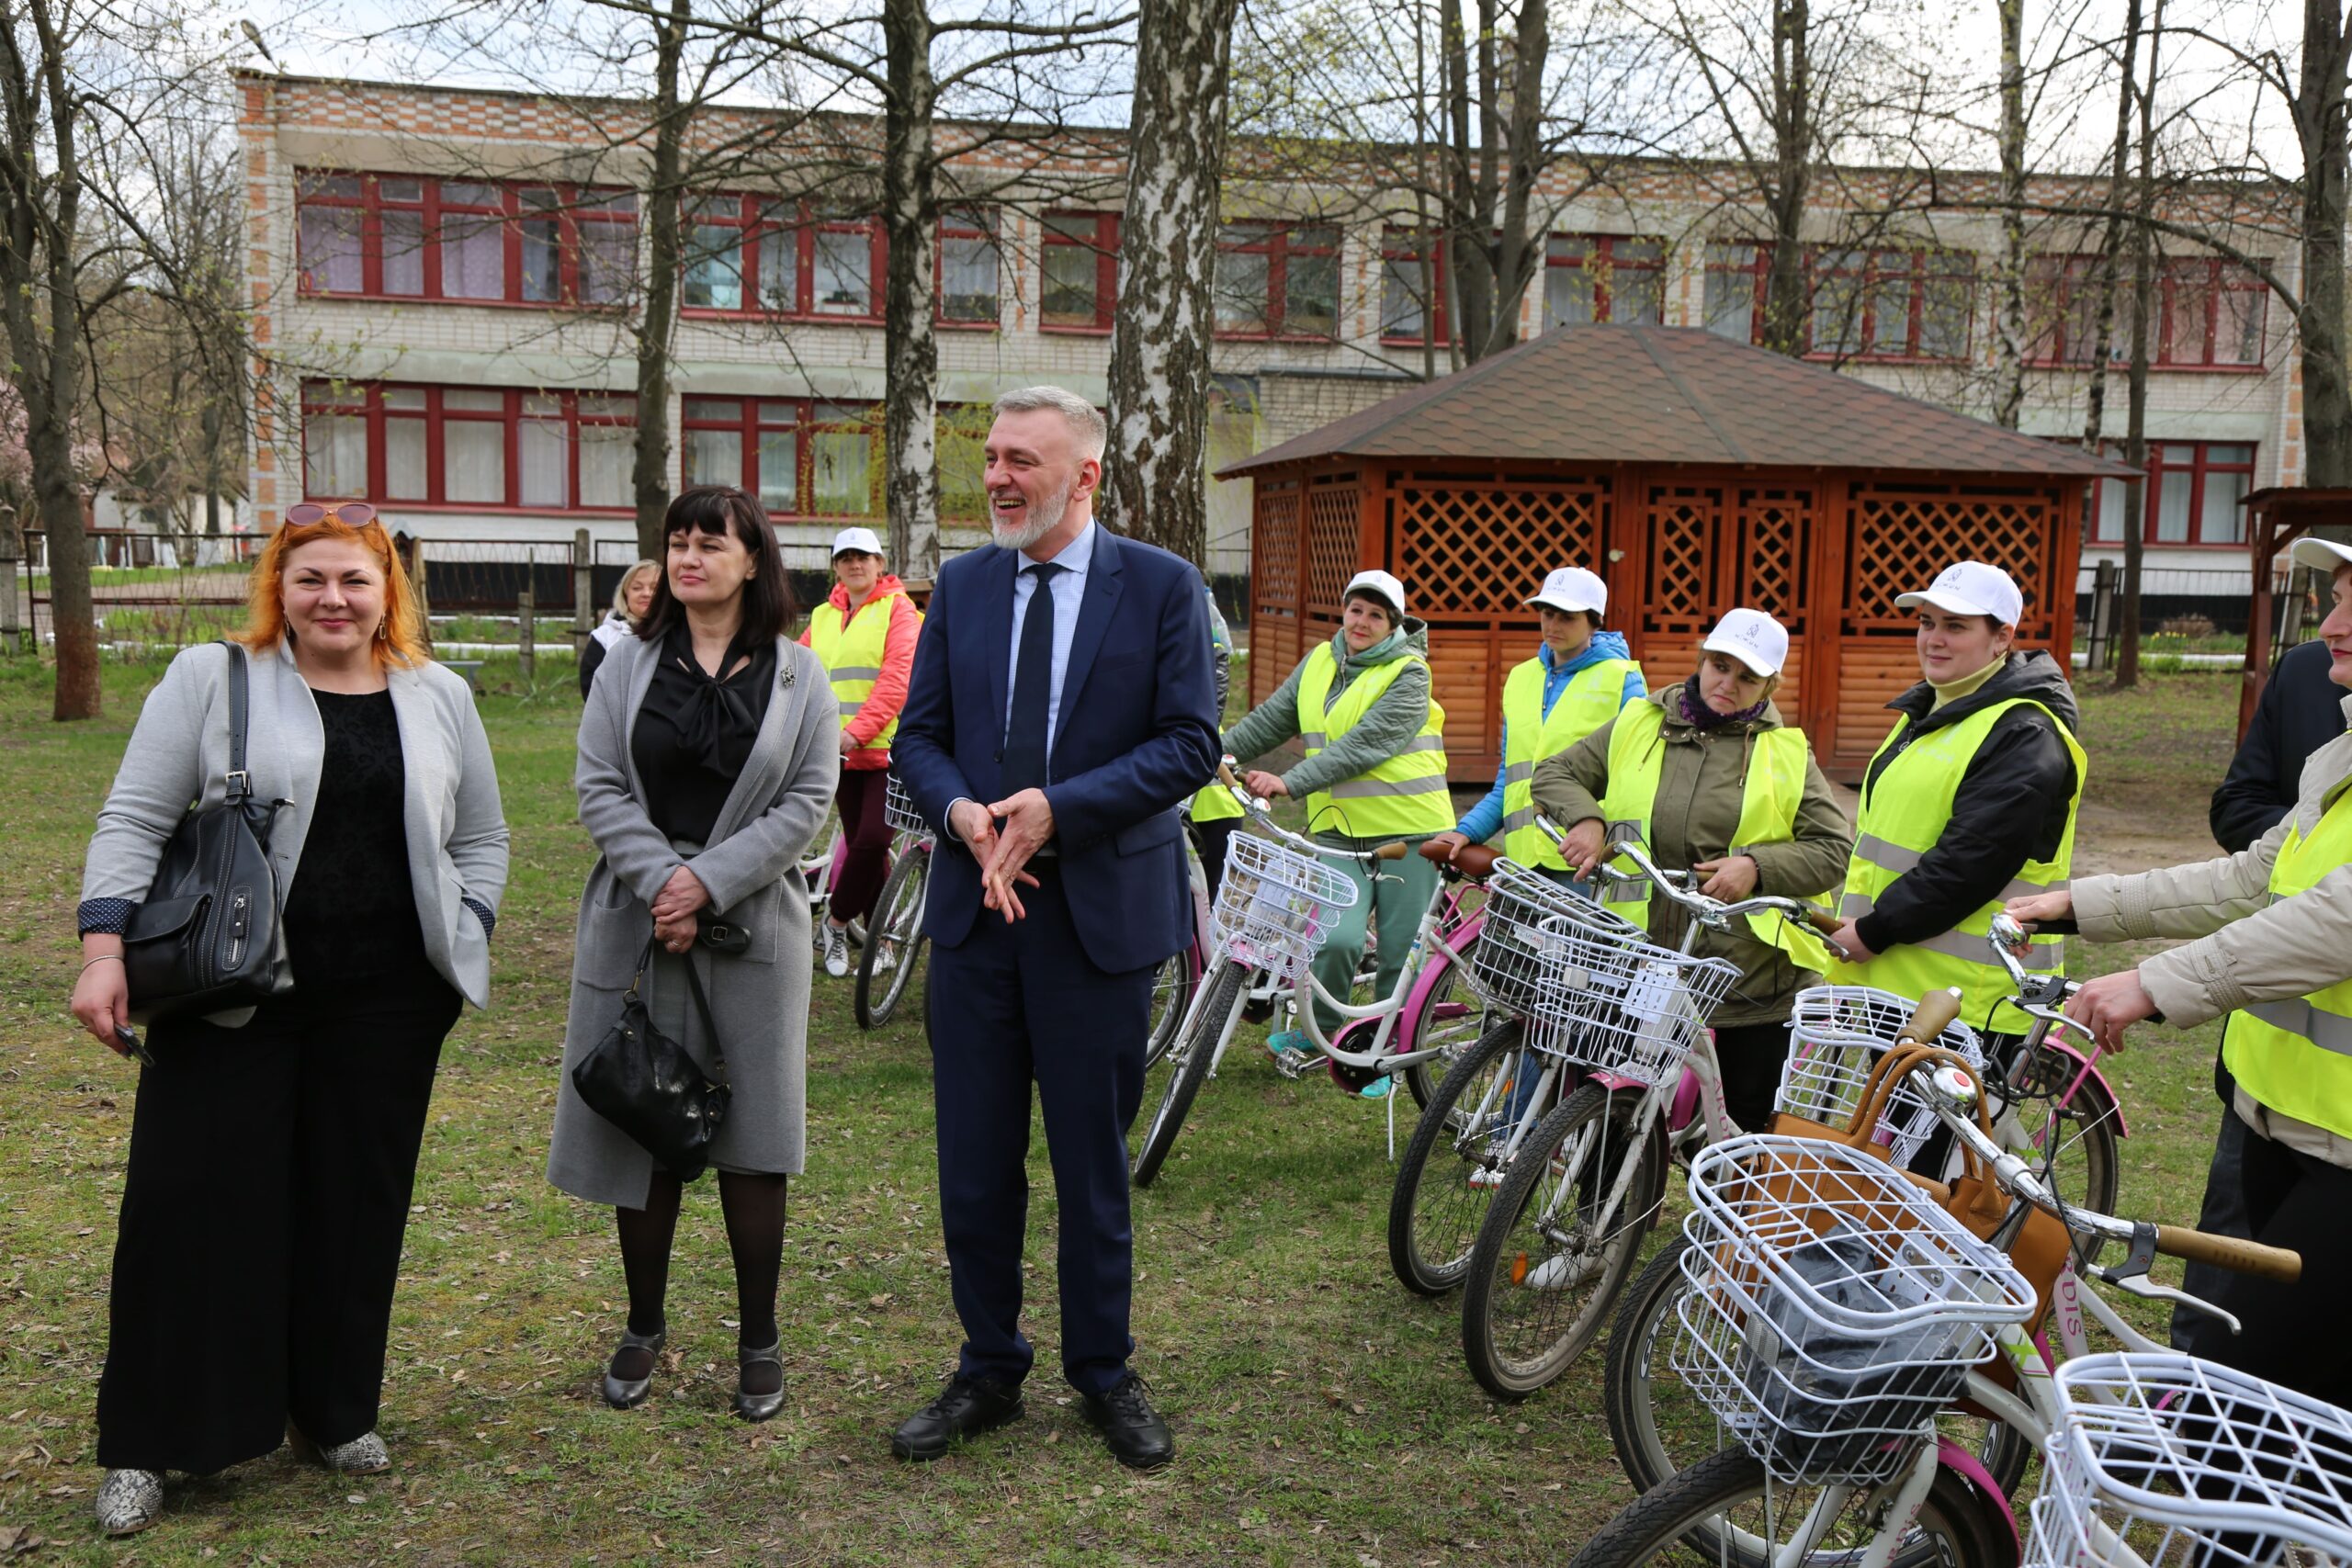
[694,732]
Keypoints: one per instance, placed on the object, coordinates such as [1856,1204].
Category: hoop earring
[384,630]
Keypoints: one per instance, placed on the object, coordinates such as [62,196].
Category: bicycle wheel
[1453,1162]
[1660,1430]
[1725,1510]
[1552,1254]
[1171,992]
[2086,1169]
[1187,1063]
[1450,1021]
[894,941]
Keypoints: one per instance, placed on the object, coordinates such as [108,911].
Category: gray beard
[1043,520]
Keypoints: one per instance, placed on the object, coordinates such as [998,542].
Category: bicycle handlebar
[1709,911]
[2230,1252]
[1260,812]
[1935,1012]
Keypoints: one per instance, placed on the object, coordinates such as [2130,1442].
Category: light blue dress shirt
[1068,590]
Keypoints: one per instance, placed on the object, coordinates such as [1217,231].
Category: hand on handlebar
[2111,1004]
[1585,845]
[1265,785]
[1848,941]
[2035,907]
[1731,878]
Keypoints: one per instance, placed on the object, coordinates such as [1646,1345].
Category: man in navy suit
[1062,704]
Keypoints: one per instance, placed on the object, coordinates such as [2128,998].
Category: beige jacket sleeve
[2248,950]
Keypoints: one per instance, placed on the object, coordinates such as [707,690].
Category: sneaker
[1563,1271]
[1293,1053]
[836,949]
[130,1500]
[1486,1176]
[1378,1087]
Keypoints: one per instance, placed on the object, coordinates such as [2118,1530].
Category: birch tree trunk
[2319,116]
[649,474]
[1787,305]
[2110,252]
[2135,438]
[1155,487]
[2008,311]
[911,230]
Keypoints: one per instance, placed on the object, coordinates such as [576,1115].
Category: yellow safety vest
[1768,799]
[1529,735]
[2296,1056]
[1402,797]
[1904,813]
[851,655]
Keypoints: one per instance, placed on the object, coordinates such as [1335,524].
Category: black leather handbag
[209,936]
[644,1082]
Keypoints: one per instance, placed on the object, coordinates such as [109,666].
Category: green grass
[1322,1416]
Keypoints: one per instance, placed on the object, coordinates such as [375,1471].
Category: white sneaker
[1486,1176]
[129,1501]
[1561,1271]
[836,951]
[364,1455]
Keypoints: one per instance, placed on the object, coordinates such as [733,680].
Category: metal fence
[2201,612]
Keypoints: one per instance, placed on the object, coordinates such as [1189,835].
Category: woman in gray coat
[708,753]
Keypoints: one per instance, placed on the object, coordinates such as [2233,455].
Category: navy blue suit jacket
[1136,736]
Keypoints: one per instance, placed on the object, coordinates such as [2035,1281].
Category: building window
[2194,493]
[1603,277]
[802,458]
[407,237]
[1412,287]
[1079,263]
[1892,304]
[748,255]
[469,446]
[968,269]
[2211,314]
[1277,280]
[2061,299]
[1734,305]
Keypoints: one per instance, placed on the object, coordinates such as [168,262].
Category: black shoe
[964,1408]
[1131,1428]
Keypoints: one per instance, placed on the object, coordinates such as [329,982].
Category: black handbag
[210,935]
[644,1083]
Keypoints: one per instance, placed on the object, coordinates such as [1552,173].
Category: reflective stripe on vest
[1905,811]
[2295,1056]
[851,655]
[1529,735]
[1768,799]
[1404,796]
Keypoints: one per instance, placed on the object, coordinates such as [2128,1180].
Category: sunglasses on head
[351,513]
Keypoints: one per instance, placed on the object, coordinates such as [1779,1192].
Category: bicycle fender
[2087,1069]
[1415,1000]
[1953,1456]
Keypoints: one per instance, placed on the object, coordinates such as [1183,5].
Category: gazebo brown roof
[1693,473]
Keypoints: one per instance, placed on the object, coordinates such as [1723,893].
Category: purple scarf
[1699,715]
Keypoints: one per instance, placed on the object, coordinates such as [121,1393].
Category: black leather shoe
[1131,1428]
[964,1408]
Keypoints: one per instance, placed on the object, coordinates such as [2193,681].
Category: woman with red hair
[273,1148]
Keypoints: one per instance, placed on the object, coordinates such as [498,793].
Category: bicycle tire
[1700,1513]
[1660,1430]
[1434,1210]
[898,930]
[1441,1017]
[1172,984]
[2092,1116]
[1189,1062]
[1594,1125]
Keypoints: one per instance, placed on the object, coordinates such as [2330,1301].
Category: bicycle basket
[1274,905]
[1511,957]
[1607,997]
[899,810]
[1837,1034]
[2163,1459]
[1834,1307]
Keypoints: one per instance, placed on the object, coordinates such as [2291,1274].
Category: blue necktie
[1032,684]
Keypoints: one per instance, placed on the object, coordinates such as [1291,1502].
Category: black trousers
[1010,1006]
[2223,1211]
[2293,1333]
[1751,1056]
[263,1210]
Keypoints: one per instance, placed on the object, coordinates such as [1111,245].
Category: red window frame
[759,217]
[1398,245]
[2190,292]
[1275,240]
[1756,269]
[2052,285]
[1914,271]
[2165,457]
[366,401]
[968,223]
[1604,287]
[1105,246]
[571,205]
[751,417]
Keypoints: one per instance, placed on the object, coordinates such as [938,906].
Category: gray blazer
[759,998]
[179,753]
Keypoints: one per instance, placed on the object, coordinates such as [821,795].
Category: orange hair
[403,638]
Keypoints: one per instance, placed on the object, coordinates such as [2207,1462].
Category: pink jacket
[889,693]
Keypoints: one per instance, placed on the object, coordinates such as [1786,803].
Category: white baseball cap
[1971,588]
[1381,586]
[1572,589]
[2321,555]
[1753,637]
[860,539]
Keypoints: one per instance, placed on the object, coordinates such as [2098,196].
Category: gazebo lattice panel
[1685,563]
[1275,549]
[1476,549]
[1902,535]
[1775,544]
[1333,541]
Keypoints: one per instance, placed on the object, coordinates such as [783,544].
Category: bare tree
[2135,437]
[2008,305]
[1154,487]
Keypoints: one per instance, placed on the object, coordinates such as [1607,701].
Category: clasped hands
[1002,837]
[674,909]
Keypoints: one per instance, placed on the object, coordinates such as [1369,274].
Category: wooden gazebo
[2276,519]
[1693,473]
